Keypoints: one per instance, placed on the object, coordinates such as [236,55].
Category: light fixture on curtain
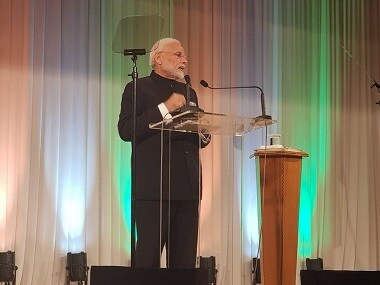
[76,268]
[7,267]
[209,263]
[314,263]
[256,271]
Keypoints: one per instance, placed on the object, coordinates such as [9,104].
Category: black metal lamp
[256,271]
[76,268]
[210,264]
[314,263]
[7,267]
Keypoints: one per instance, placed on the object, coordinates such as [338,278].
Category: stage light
[8,267]
[314,264]
[209,263]
[256,271]
[76,268]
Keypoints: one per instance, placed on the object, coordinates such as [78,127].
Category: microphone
[205,84]
[188,84]
[190,108]
[187,79]
[375,84]
[263,114]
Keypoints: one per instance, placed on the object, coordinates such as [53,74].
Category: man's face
[171,62]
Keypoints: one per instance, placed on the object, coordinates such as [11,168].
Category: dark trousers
[179,234]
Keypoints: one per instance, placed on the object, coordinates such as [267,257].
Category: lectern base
[120,275]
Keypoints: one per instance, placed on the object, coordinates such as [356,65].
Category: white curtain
[64,172]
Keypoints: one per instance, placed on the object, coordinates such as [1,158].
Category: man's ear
[158,58]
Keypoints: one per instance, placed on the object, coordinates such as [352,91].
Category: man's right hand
[175,101]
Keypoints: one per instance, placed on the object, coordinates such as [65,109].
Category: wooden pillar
[280,178]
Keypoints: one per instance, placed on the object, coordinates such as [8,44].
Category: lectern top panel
[212,123]
[277,152]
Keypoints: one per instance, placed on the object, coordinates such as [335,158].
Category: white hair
[160,46]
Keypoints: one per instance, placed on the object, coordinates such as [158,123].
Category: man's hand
[175,101]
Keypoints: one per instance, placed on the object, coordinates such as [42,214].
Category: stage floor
[120,275]
[339,277]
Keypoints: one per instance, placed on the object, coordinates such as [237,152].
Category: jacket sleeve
[143,119]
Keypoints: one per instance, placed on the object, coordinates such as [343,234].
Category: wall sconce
[76,268]
[7,267]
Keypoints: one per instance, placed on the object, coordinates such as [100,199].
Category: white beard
[174,73]
[180,74]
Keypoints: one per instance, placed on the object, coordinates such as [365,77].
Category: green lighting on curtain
[305,105]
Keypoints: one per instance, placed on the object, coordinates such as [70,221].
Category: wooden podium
[280,178]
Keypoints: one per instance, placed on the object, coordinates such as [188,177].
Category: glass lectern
[212,123]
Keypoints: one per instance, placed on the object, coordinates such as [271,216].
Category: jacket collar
[160,79]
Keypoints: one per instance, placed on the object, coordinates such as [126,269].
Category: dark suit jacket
[184,155]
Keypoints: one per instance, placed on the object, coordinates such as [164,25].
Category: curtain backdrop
[65,173]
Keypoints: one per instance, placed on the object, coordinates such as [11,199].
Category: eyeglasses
[178,54]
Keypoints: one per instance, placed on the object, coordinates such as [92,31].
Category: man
[158,95]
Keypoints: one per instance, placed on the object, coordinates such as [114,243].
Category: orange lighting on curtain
[14,101]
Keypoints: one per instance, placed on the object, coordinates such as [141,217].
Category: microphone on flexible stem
[188,85]
[375,84]
[263,114]
[190,108]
